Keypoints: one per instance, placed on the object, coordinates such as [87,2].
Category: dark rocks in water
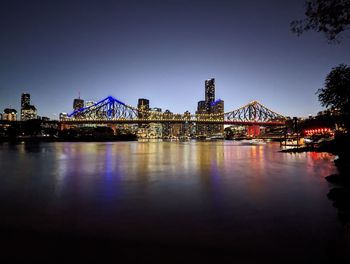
[337,194]
[334,178]
[343,204]
[344,216]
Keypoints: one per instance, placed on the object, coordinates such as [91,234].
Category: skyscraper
[201,109]
[28,111]
[209,94]
[25,100]
[218,109]
[143,105]
[78,103]
[210,106]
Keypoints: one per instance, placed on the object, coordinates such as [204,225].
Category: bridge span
[112,111]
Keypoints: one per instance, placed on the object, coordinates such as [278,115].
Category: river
[175,201]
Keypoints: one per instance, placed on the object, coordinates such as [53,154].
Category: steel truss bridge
[113,111]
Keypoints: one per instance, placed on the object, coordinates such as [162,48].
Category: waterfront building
[176,128]
[25,100]
[143,106]
[200,128]
[63,116]
[218,110]
[167,125]
[187,126]
[207,107]
[9,114]
[155,130]
[28,112]
[209,94]
[78,103]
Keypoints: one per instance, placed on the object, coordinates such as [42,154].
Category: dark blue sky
[163,51]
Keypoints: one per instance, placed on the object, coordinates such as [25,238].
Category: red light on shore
[311,132]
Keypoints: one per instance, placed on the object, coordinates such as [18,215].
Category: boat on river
[253,142]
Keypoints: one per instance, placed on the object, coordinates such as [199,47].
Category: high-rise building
[78,103]
[28,111]
[167,126]
[25,100]
[209,94]
[201,109]
[9,114]
[209,106]
[143,106]
[218,110]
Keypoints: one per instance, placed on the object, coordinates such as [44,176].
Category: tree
[336,91]
[331,17]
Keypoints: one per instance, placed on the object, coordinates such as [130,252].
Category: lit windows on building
[25,100]
[143,107]
[63,116]
[78,103]
[209,94]
[9,114]
[29,112]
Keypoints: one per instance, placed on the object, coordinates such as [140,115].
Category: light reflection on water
[189,192]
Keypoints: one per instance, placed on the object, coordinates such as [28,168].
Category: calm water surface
[247,202]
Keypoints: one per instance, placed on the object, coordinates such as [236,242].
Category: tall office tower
[209,94]
[25,100]
[28,111]
[167,126]
[78,103]
[200,128]
[218,110]
[155,129]
[143,105]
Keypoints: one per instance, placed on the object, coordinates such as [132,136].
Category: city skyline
[163,51]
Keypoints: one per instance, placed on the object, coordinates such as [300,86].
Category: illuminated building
[176,128]
[89,103]
[9,114]
[167,125]
[200,128]
[155,130]
[78,103]
[25,100]
[187,126]
[218,108]
[209,106]
[143,106]
[209,94]
[28,112]
[63,116]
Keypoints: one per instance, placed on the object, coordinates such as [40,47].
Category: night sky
[162,51]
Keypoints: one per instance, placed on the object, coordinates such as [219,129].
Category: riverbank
[339,193]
